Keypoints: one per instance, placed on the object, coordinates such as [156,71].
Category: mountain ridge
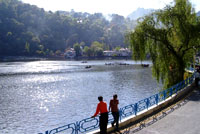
[198,13]
[140,12]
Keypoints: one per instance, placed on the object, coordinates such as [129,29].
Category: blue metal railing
[89,124]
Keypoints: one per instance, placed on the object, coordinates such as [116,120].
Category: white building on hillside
[124,52]
[70,53]
[109,53]
[121,52]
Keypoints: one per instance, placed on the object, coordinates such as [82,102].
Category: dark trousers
[103,123]
[197,82]
[116,119]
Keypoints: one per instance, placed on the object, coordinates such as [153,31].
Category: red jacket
[101,107]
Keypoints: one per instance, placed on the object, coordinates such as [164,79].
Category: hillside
[29,30]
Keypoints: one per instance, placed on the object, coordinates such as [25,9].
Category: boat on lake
[84,62]
[145,65]
[88,66]
[123,64]
[109,63]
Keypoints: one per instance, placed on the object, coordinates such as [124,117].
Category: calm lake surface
[43,95]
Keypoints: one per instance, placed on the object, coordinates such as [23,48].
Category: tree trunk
[176,73]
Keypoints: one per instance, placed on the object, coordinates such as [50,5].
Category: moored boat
[145,65]
[88,66]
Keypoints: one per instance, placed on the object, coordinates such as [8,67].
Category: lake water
[43,95]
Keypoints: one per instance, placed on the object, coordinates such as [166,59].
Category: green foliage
[58,52]
[97,48]
[41,50]
[77,49]
[9,33]
[170,36]
[117,48]
[27,47]
[21,23]
[41,53]
[87,51]
[99,52]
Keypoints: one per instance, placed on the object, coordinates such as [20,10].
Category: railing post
[164,94]
[157,99]
[147,103]
[178,88]
[136,107]
[120,114]
[46,132]
[171,91]
[77,127]
[185,83]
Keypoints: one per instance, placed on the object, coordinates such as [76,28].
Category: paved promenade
[181,118]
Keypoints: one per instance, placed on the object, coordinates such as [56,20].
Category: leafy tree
[77,49]
[97,48]
[41,50]
[170,36]
[99,52]
[87,51]
[27,47]
[21,23]
[58,52]
[117,48]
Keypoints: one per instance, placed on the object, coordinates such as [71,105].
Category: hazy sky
[121,7]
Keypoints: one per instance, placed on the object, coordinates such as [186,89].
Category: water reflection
[42,95]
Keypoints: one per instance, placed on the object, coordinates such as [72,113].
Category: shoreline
[27,58]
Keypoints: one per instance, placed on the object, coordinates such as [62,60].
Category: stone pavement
[181,118]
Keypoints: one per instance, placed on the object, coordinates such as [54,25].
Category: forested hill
[28,30]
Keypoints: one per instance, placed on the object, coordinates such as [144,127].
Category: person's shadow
[195,96]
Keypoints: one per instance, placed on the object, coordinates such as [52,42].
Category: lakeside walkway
[180,118]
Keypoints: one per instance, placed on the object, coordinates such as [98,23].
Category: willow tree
[171,36]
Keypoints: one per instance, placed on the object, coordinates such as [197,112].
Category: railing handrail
[126,111]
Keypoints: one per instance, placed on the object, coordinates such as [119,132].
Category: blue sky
[121,7]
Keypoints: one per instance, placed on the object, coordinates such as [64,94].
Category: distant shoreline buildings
[122,52]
